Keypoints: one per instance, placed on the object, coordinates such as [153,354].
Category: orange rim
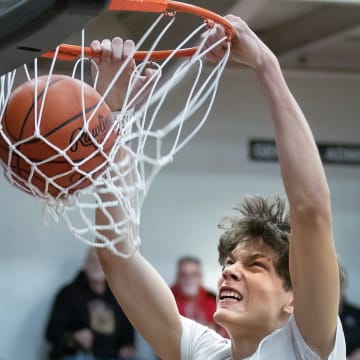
[68,52]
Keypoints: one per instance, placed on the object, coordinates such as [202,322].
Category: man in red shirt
[192,299]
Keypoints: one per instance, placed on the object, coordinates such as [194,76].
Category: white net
[152,134]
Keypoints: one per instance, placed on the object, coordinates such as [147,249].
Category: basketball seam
[28,113]
[63,124]
[6,128]
[20,167]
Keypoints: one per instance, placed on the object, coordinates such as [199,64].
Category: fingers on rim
[95,46]
[212,58]
[216,52]
[129,49]
[117,47]
[149,72]
[106,49]
[231,17]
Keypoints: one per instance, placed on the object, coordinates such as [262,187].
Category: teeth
[230,294]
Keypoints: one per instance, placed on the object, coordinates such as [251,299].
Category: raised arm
[313,262]
[141,292]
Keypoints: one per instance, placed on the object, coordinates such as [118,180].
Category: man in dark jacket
[86,321]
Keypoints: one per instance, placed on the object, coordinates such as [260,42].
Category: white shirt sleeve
[201,343]
[304,352]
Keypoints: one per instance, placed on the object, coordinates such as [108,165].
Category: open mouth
[230,294]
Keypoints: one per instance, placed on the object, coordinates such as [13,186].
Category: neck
[243,349]
[244,342]
[98,287]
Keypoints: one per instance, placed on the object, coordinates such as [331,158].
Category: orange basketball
[62,126]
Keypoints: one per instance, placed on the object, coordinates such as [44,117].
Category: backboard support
[29,28]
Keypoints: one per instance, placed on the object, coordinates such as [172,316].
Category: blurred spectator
[193,300]
[350,319]
[86,322]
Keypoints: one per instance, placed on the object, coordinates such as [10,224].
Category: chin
[231,319]
[223,316]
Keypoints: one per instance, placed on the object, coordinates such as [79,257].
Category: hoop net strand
[152,132]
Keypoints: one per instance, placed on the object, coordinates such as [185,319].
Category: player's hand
[246,47]
[111,56]
[84,338]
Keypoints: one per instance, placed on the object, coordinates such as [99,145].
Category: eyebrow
[257,255]
[250,257]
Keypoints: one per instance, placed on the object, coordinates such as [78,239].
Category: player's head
[255,289]
[92,267]
[189,275]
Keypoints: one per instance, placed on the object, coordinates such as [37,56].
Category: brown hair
[259,219]
[263,220]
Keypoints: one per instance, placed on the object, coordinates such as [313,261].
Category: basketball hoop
[151,134]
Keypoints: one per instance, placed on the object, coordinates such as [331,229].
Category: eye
[259,264]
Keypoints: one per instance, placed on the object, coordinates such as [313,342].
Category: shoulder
[288,343]
[199,342]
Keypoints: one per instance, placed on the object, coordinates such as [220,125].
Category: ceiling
[315,35]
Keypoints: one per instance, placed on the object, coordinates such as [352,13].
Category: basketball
[64,149]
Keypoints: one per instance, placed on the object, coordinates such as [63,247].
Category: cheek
[270,292]
[262,287]
[219,282]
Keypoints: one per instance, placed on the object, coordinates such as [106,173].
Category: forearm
[316,293]
[140,291]
[146,300]
[302,172]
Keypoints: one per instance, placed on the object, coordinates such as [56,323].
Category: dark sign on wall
[344,154]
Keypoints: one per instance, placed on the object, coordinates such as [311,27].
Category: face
[251,297]
[92,268]
[189,278]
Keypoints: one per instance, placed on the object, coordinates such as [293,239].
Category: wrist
[269,65]
[123,120]
[114,107]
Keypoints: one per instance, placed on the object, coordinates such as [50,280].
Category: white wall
[184,205]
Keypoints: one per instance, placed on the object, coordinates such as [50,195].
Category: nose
[232,272]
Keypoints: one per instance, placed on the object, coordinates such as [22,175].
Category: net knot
[165,160]
[49,210]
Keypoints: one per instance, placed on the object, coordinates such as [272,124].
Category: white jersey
[201,343]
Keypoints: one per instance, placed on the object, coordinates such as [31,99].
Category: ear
[289,307]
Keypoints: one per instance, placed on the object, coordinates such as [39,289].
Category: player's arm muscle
[141,292]
[313,263]
[144,297]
